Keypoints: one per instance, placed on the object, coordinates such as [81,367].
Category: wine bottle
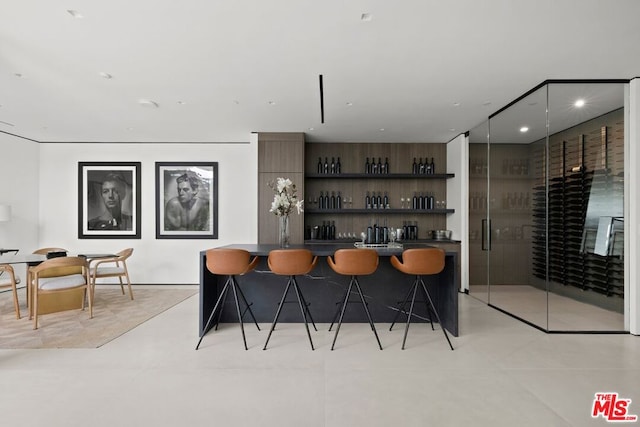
[369,234]
[333,165]
[380,166]
[332,200]
[385,201]
[376,234]
[432,166]
[414,167]
[332,231]
[430,200]
[420,167]
[339,201]
[414,201]
[367,201]
[374,166]
[422,200]
[338,166]
[326,165]
[367,166]
[321,201]
[386,165]
[427,166]
[379,200]
[320,168]
[326,200]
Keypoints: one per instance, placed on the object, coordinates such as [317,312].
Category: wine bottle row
[423,201]
[376,168]
[333,201]
[371,201]
[423,168]
[326,168]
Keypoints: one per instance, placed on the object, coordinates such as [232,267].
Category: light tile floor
[502,373]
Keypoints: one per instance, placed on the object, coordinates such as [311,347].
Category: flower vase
[283,231]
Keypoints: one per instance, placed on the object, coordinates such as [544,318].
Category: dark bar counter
[323,289]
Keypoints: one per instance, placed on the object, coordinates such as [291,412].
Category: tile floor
[502,373]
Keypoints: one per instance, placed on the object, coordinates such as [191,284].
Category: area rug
[113,315]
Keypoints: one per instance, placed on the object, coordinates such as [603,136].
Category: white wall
[19,189]
[163,261]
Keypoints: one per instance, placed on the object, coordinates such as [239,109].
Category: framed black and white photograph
[186,200]
[109,200]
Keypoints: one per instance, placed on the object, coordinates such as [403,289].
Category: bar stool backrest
[227,261]
[291,262]
[420,261]
[354,262]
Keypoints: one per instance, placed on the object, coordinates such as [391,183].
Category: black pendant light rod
[321,100]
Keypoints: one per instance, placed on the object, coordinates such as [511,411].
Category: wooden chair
[8,279]
[40,251]
[419,262]
[230,262]
[116,266]
[45,251]
[66,281]
[354,263]
[292,263]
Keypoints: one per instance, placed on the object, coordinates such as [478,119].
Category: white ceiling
[422,70]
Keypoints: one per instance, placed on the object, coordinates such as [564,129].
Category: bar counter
[323,289]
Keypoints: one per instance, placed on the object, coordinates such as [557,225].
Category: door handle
[486,234]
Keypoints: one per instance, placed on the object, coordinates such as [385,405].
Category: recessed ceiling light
[456,104]
[381,129]
[524,129]
[349,104]
[148,103]
[366,17]
[105,75]
[579,103]
[75,13]
[181,103]
[272,102]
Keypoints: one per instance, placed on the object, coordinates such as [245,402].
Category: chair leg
[129,285]
[344,306]
[224,293]
[413,300]
[304,309]
[436,313]
[305,305]
[213,312]
[247,305]
[275,320]
[235,297]
[366,309]
[401,307]
[426,303]
[16,304]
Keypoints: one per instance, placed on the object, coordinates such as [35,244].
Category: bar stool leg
[344,306]
[248,306]
[306,306]
[235,297]
[302,309]
[401,307]
[436,313]
[366,309]
[224,299]
[275,320]
[413,300]
[213,312]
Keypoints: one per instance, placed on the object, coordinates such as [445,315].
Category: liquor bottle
[374,166]
[326,200]
[386,165]
[339,201]
[374,201]
[332,200]
[320,168]
[427,166]
[420,167]
[326,165]
[367,201]
[414,167]
[379,201]
[332,231]
[385,201]
[367,166]
[338,166]
[432,167]
[333,165]
[414,201]
[380,166]
[422,200]
[321,201]
[430,201]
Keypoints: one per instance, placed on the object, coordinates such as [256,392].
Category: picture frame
[186,200]
[109,200]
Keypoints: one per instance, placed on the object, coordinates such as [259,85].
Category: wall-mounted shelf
[379,176]
[379,211]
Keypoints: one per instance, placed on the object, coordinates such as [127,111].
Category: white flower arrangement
[285,198]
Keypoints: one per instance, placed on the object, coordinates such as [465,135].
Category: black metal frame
[342,308]
[430,308]
[304,309]
[220,302]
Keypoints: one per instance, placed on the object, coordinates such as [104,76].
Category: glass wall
[554,218]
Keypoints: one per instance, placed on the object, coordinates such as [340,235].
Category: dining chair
[8,279]
[39,251]
[65,281]
[115,266]
[419,262]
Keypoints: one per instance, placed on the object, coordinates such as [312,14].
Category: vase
[283,231]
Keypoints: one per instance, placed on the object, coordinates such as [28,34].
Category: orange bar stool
[292,263]
[354,263]
[230,262]
[420,262]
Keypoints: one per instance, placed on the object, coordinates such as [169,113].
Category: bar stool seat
[292,263]
[420,262]
[354,263]
[230,262]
